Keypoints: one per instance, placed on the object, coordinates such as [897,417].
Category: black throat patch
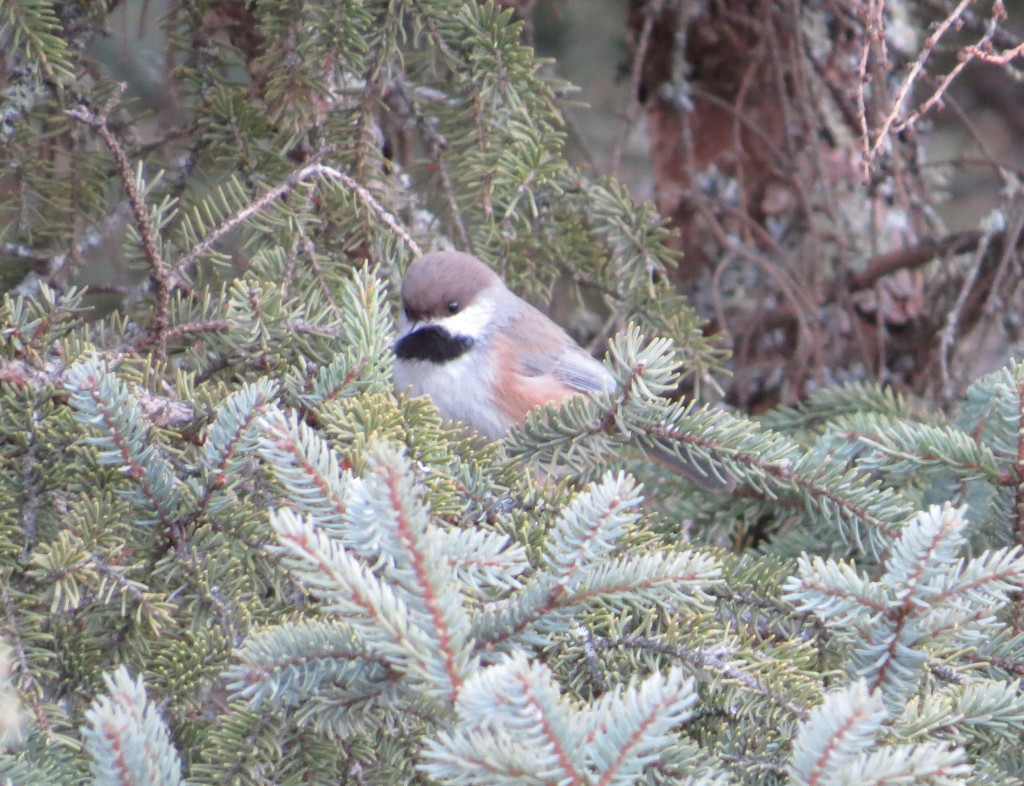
[432,343]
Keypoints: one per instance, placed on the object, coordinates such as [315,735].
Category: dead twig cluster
[788,146]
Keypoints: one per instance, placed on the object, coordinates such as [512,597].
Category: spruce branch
[1018,508]
[308,469]
[483,561]
[447,616]
[547,601]
[387,505]
[414,612]
[147,606]
[376,608]
[127,741]
[510,696]
[629,727]
[31,690]
[184,265]
[363,359]
[830,403]
[582,538]
[436,144]
[581,431]
[231,438]
[102,400]
[901,445]
[928,600]
[295,664]
[841,728]
[32,29]
[313,256]
[371,202]
[80,578]
[837,745]
[975,709]
[513,727]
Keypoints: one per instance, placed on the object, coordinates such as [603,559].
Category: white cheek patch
[472,322]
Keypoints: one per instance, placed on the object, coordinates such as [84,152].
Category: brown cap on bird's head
[443,283]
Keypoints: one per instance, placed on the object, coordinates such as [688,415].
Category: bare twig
[874,37]
[986,53]
[912,75]
[966,55]
[318,270]
[948,333]
[651,12]
[290,183]
[196,328]
[302,326]
[159,274]
[906,258]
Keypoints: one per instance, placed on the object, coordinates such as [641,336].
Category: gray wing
[582,372]
[560,356]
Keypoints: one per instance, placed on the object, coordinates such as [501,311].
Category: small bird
[487,357]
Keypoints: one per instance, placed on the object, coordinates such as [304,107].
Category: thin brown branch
[651,11]
[966,55]
[986,53]
[159,274]
[371,202]
[196,328]
[318,270]
[905,258]
[911,78]
[312,329]
[290,183]
[948,334]
[241,216]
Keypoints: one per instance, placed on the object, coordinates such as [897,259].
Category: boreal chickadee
[487,357]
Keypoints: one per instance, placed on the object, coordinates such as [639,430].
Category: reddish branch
[412,542]
[283,441]
[906,258]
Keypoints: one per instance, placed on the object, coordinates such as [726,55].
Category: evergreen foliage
[230,553]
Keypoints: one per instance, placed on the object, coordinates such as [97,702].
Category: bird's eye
[453,307]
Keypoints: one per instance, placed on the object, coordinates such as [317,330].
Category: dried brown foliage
[790,145]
